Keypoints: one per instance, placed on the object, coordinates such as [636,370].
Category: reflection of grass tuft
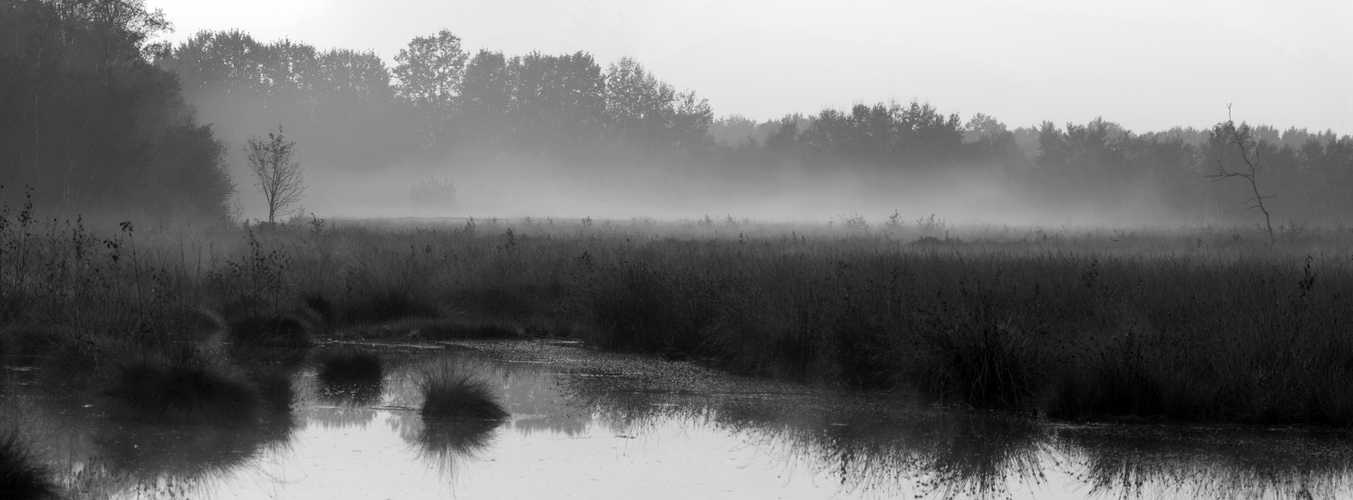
[447,443]
[22,475]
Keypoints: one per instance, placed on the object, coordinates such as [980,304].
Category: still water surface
[587,424]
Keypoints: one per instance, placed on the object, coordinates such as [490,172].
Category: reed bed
[1198,323]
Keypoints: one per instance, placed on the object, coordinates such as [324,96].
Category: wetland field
[615,249]
[726,358]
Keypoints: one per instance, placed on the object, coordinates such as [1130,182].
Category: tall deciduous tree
[650,115]
[429,73]
[430,70]
[278,173]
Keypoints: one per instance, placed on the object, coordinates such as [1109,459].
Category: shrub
[191,324]
[270,331]
[275,390]
[184,388]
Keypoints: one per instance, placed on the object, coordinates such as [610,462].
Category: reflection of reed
[979,455]
[869,446]
[1141,461]
[942,455]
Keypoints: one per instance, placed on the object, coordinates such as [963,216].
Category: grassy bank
[1204,324]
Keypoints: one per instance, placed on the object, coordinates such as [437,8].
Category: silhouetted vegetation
[94,127]
[90,125]
[184,388]
[622,126]
[270,331]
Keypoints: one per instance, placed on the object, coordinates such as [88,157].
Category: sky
[1147,64]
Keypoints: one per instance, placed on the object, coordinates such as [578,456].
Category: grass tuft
[451,393]
[22,475]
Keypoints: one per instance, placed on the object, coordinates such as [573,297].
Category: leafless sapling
[278,172]
[1243,142]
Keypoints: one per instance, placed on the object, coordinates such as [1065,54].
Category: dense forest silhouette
[96,118]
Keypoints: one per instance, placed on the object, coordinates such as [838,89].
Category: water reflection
[185,451]
[1201,462]
[580,418]
[887,448]
[445,444]
[865,446]
[102,457]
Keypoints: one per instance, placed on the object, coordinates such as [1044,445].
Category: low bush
[349,366]
[183,387]
[270,331]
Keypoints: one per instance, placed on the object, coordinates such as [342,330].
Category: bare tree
[1241,138]
[278,172]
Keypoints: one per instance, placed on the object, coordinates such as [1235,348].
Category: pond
[590,424]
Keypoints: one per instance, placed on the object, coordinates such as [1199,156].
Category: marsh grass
[451,392]
[1201,323]
[23,476]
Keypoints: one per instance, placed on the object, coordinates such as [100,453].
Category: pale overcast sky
[1146,64]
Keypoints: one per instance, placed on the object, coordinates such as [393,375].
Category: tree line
[101,118]
[442,104]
